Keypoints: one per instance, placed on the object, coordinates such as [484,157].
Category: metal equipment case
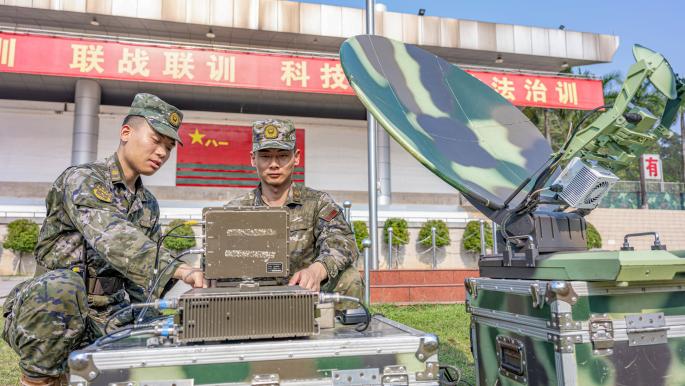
[594,318]
[387,353]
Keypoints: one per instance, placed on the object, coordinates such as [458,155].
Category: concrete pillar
[84,143]
[383,151]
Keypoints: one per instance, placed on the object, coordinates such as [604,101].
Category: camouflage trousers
[349,282]
[49,316]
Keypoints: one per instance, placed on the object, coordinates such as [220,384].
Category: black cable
[117,313]
[577,126]
[161,239]
[361,326]
[529,204]
[122,310]
[123,334]
[445,378]
[155,283]
[114,336]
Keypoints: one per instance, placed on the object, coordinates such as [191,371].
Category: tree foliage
[400,231]
[22,236]
[361,232]
[179,243]
[442,233]
[594,240]
[471,238]
[559,123]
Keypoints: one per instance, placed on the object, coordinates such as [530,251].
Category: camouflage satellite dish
[456,126]
[662,76]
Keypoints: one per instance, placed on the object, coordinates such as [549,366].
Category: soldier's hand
[191,276]
[311,277]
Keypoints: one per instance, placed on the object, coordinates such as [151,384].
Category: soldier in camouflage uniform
[101,214]
[322,249]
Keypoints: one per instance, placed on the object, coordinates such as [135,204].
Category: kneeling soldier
[96,248]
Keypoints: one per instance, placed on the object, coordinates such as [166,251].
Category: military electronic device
[544,311]
[246,263]
[478,142]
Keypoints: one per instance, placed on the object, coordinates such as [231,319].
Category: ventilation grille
[251,315]
[584,186]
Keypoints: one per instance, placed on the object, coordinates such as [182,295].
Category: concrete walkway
[7,283]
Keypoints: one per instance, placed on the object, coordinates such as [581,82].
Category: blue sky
[657,24]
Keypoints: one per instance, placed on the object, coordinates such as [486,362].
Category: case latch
[602,334]
[395,375]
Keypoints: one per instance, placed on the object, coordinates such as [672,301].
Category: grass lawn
[9,369]
[449,322]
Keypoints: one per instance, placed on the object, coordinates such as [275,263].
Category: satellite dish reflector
[455,125]
[662,76]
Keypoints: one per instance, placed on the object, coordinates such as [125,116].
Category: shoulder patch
[330,215]
[102,193]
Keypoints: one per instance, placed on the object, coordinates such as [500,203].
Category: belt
[104,285]
[96,285]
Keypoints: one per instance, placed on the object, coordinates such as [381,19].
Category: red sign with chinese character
[99,59]
[651,167]
[219,155]
[545,91]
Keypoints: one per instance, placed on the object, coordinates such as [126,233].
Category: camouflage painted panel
[456,126]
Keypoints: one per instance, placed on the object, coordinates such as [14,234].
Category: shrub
[361,232]
[594,240]
[177,243]
[22,236]
[471,239]
[442,233]
[400,231]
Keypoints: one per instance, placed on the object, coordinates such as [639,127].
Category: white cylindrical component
[366,243]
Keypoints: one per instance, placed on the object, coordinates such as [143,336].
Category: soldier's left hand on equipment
[311,277]
[192,276]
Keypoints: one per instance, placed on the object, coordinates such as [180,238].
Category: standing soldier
[97,245]
[322,249]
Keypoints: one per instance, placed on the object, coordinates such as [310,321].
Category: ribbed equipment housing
[584,186]
[219,314]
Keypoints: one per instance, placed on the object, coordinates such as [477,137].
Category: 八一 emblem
[270,132]
[174,119]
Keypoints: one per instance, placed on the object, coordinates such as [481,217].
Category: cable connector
[166,304]
[329,297]
[165,330]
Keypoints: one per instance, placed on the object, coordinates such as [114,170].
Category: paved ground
[7,283]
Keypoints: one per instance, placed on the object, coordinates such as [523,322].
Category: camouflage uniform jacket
[91,202]
[318,230]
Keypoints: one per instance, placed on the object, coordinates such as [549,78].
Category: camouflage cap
[163,117]
[273,134]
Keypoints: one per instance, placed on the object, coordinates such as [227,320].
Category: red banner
[219,155]
[99,59]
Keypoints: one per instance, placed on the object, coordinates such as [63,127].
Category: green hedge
[442,233]
[471,238]
[177,243]
[400,231]
[361,232]
[22,236]
[594,240]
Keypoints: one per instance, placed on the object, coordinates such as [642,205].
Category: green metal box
[623,325]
